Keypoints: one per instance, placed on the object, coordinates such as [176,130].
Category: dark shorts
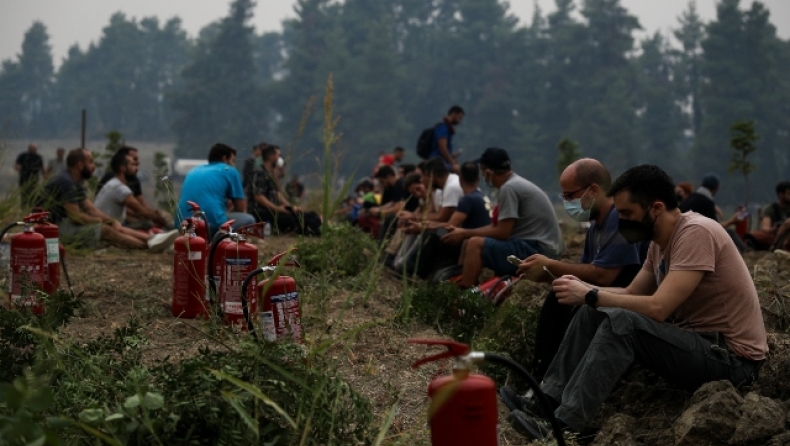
[495,254]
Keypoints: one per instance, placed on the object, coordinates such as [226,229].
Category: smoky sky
[80,22]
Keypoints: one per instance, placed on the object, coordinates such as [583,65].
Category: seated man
[268,202]
[116,198]
[524,223]
[211,186]
[774,232]
[152,217]
[691,314]
[380,220]
[702,203]
[79,221]
[606,260]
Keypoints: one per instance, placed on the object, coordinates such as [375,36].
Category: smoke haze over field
[81,21]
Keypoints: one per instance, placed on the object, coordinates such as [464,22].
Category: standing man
[691,314]
[442,143]
[524,223]
[29,165]
[211,186]
[55,165]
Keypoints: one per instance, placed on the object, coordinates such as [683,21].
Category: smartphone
[553,277]
[514,260]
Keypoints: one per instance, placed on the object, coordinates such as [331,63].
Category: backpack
[425,142]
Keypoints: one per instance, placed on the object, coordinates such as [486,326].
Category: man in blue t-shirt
[442,145]
[607,259]
[211,186]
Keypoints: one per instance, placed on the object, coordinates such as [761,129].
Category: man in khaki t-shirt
[691,314]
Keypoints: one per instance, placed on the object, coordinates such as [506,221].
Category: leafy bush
[342,249]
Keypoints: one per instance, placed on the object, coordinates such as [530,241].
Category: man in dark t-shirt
[380,220]
[30,166]
[702,202]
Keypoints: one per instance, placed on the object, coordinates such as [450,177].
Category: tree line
[578,74]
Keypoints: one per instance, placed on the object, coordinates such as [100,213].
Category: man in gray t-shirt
[523,224]
[111,199]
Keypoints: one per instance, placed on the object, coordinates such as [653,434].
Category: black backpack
[425,143]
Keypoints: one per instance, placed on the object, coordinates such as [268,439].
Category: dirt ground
[371,348]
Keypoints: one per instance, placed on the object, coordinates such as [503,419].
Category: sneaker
[782,253]
[526,404]
[160,242]
[532,427]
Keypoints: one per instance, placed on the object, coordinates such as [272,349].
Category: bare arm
[93,211]
[501,231]
[766,224]
[263,201]
[75,214]
[444,215]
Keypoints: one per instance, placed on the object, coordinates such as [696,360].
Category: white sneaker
[160,242]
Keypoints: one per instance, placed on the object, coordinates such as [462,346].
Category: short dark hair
[399,149]
[470,172]
[456,109]
[411,179]
[75,156]
[119,160]
[220,151]
[385,172]
[366,184]
[407,168]
[590,171]
[646,184]
[782,187]
[436,167]
[268,150]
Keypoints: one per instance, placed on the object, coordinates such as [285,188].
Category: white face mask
[280,162]
[575,209]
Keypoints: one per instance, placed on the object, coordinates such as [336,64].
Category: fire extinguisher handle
[226,226]
[36,217]
[454,350]
[253,230]
[274,261]
[194,206]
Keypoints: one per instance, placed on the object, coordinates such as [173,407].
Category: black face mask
[679,198]
[637,231]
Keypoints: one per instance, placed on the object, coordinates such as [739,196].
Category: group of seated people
[119,214]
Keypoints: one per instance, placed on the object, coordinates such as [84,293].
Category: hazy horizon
[81,22]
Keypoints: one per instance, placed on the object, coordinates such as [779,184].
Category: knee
[475,244]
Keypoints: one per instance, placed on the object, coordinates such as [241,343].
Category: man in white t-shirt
[436,176]
[116,196]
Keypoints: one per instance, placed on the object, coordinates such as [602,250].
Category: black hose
[244,308]
[542,398]
[8,228]
[212,285]
[65,271]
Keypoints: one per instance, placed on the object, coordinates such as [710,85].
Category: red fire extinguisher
[463,408]
[278,302]
[215,263]
[28,265]
[189,271]
[240,258]
[200,221]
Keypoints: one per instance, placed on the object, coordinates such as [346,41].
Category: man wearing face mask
[79,221]
[269,204]
[211,186]
[691,314]
[524,223]
[251,164]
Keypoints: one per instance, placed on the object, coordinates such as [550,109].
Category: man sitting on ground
[774,232]
[702,202]
[116,197]
[152,217]
[211,186]
[79,221]
[268,202]
[524,223]
[691,314]
[606,260]
[380,220]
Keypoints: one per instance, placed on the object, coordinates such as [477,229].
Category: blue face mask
[258,162]
[575,209]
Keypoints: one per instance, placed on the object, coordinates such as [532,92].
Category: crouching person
[79,221]
[691,314]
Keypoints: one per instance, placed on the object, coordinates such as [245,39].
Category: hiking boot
[160,242]
[514,402]
[532,427]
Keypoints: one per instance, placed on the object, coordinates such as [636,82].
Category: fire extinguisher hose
[212,285]
[542,398]
[244,304]
[66,273]
[8,228]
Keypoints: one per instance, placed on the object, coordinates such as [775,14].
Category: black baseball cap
[495,158]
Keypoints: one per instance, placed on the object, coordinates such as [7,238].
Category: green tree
[568,153]
[690,33]
[221,96]
[742,142]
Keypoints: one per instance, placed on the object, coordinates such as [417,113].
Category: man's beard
[86,173]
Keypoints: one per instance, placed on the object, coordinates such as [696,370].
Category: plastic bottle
[267,229]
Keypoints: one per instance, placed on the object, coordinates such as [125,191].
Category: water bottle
[267,229]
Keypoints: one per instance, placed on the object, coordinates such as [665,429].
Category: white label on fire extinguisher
[195,255]
[269,329]
[53,250]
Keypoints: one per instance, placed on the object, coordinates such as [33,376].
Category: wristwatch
[591,298]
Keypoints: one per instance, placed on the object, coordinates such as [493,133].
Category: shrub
[341,249]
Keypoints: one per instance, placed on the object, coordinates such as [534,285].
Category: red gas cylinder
[280,315]
[54,249]
[199,220]
[28,265]
[189,271]
[463,408]
[239,260]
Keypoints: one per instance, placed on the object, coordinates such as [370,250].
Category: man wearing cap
[523,224]
[702,203]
